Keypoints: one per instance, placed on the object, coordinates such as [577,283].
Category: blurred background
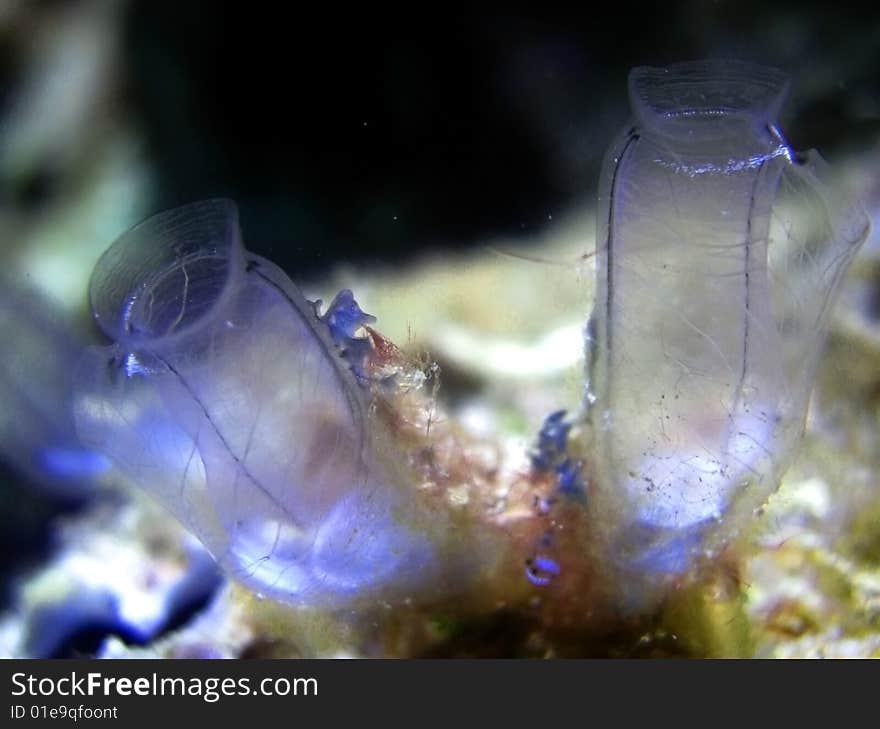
[353,141]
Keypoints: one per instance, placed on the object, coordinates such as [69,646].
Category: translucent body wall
[255,419]
[226,397]
[719,253]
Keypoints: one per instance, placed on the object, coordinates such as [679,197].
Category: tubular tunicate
[259,423]
[228,398]
[720,252]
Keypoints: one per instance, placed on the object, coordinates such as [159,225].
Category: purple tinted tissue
[225,396]
[256,420]
[720,252]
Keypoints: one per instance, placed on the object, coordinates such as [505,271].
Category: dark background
[374,134]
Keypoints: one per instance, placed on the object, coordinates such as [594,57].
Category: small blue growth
[551,441]
[568,479]
[550,457]
[343,319]
[541,570]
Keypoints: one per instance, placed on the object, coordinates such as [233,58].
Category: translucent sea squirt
[720,252]
[229,399]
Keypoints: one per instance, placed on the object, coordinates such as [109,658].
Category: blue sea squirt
[720,252]
[249,414]
[287,439]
